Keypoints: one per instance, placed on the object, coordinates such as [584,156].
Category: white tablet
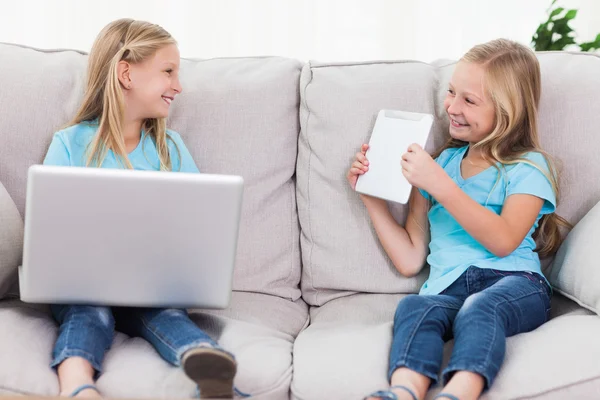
[393,132]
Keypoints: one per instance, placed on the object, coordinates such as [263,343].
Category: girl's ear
[123,70]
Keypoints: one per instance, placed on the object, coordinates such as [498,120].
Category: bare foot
[73,373]
[465,385]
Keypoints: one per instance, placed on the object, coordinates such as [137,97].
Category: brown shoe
[213,371]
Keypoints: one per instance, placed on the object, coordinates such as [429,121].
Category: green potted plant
[555,33]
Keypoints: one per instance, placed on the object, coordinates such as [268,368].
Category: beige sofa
[314,294]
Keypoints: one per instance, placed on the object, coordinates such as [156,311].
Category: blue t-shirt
[69,147]
[452,250]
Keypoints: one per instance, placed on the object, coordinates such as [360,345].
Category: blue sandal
[235,390]
[446,396]
[82,388]
[240,393]
[389,395]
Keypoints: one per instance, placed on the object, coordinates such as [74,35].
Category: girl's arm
[57,154]
[499,234]
[407,247]
[180,156]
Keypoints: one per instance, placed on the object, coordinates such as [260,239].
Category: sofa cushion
[236,116]
[344,353]
[133,369]
[340,251]
[569,117]
[339,102]
[575,272]
[11,241]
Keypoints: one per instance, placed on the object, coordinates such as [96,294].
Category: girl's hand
[422,171]
[359,166]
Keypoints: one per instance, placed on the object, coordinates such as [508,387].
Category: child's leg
[421,324]
[76,378]
[182,343]
[170,331]
[85,333]
[514,304]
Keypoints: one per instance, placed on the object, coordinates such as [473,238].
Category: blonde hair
[512,80]
[121,40]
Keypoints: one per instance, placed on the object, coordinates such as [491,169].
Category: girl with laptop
[132,79]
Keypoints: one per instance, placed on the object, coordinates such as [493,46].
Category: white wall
[328,30]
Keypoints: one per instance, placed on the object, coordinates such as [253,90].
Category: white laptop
[129,238]
[393,132]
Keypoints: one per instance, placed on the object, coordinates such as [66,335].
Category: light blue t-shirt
[452,250]
[69,147]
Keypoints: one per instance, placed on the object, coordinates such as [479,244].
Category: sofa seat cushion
[261,340]
[344,353]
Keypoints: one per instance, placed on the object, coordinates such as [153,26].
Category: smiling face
[154,84]
[469,107]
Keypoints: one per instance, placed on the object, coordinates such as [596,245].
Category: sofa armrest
[11,241]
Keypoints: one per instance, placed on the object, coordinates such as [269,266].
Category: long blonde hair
[121,40]
[512,79]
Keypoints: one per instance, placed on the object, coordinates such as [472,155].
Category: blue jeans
[479,310]
[87,331]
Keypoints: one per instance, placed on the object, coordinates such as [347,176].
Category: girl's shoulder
[78,134]
[531,157]
[175,138]
[536,157]
[174,135]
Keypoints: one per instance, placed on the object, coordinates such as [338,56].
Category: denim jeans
[87,331]
[479,310]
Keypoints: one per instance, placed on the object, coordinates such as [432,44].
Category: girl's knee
[477,307]
[164,314]
[410,303]
[104,314]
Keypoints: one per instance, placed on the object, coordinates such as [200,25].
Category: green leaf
[563,42]
[593,45]
[543,27]
[587,46]
[571,14]
[555,33]
[555,12]
[542,38]
[551,4]
[561,26]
